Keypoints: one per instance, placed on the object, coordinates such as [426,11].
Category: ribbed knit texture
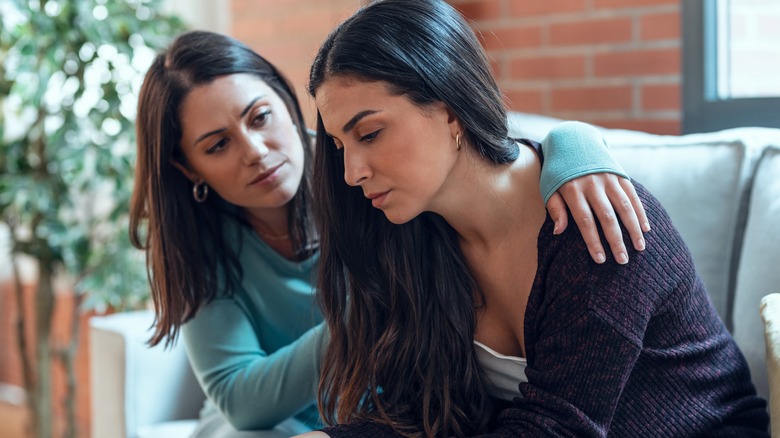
[632,350]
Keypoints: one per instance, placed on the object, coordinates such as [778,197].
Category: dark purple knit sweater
[630,351]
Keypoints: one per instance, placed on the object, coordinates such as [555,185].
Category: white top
[503,373]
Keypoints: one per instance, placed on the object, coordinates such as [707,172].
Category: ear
[454,123]
[189,174]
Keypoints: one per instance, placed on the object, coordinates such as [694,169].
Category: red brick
[303,25]
[262,9]
[526,8]
[637,63]
[613,30]
[245,30]
[285,52]
[479,10]
[530,101]
[591,98]
[548,67]
[661,97]
[660,26]
[631,3]
[511,38]
[240,8]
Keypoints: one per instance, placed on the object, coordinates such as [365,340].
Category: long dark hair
[189,259]
[399,299]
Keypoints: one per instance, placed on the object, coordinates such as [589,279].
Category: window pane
[748,48]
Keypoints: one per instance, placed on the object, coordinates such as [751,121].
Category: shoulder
[665,255]
[570,282]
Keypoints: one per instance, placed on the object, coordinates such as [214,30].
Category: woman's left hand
[605,194]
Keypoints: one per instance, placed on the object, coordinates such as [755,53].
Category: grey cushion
[759,266]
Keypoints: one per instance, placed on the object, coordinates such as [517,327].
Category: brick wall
[611,62]
[288,33]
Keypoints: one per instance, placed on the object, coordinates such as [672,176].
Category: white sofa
[721,189]
[137,391]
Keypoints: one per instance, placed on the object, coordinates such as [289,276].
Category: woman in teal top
[221,205]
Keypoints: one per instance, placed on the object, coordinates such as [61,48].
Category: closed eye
[368,138]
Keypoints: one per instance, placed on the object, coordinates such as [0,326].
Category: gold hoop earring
[200,191]
[457,140]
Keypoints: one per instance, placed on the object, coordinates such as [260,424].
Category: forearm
[253,389]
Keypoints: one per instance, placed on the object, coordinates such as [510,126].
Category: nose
[356,169]
[254,148]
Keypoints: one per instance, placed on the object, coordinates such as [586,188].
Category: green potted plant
[69,73]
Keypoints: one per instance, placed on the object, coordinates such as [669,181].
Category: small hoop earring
[200,191]
[457,140]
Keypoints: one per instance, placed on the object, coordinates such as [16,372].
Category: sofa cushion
[759,267]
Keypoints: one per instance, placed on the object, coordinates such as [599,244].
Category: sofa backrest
[135,386]
[758,273]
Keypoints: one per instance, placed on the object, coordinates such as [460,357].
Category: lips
[377,198]
[265,176]
[375,195]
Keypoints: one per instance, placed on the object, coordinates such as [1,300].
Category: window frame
[701,111]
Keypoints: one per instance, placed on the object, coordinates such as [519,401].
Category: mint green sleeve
[253,390]
[572,150]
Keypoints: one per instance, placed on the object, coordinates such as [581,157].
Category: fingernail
[640,244]
[600,258]
[646,226]
[557,227]
[622,258]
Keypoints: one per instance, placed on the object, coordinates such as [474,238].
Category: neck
[499,198]
[269,224]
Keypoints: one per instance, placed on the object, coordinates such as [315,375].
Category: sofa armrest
[133,385]
[770,313]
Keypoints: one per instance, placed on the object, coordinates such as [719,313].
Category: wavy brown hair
[399,299]
[188,253]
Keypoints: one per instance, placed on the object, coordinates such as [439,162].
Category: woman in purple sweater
[465,315]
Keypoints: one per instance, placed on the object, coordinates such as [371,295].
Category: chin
[398,219]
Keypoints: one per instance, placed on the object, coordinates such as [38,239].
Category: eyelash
[263,115]
[368,138]
[218,146]
[259,121]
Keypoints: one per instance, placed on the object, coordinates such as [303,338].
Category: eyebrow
[356,118]
[249,106]
[243,113]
